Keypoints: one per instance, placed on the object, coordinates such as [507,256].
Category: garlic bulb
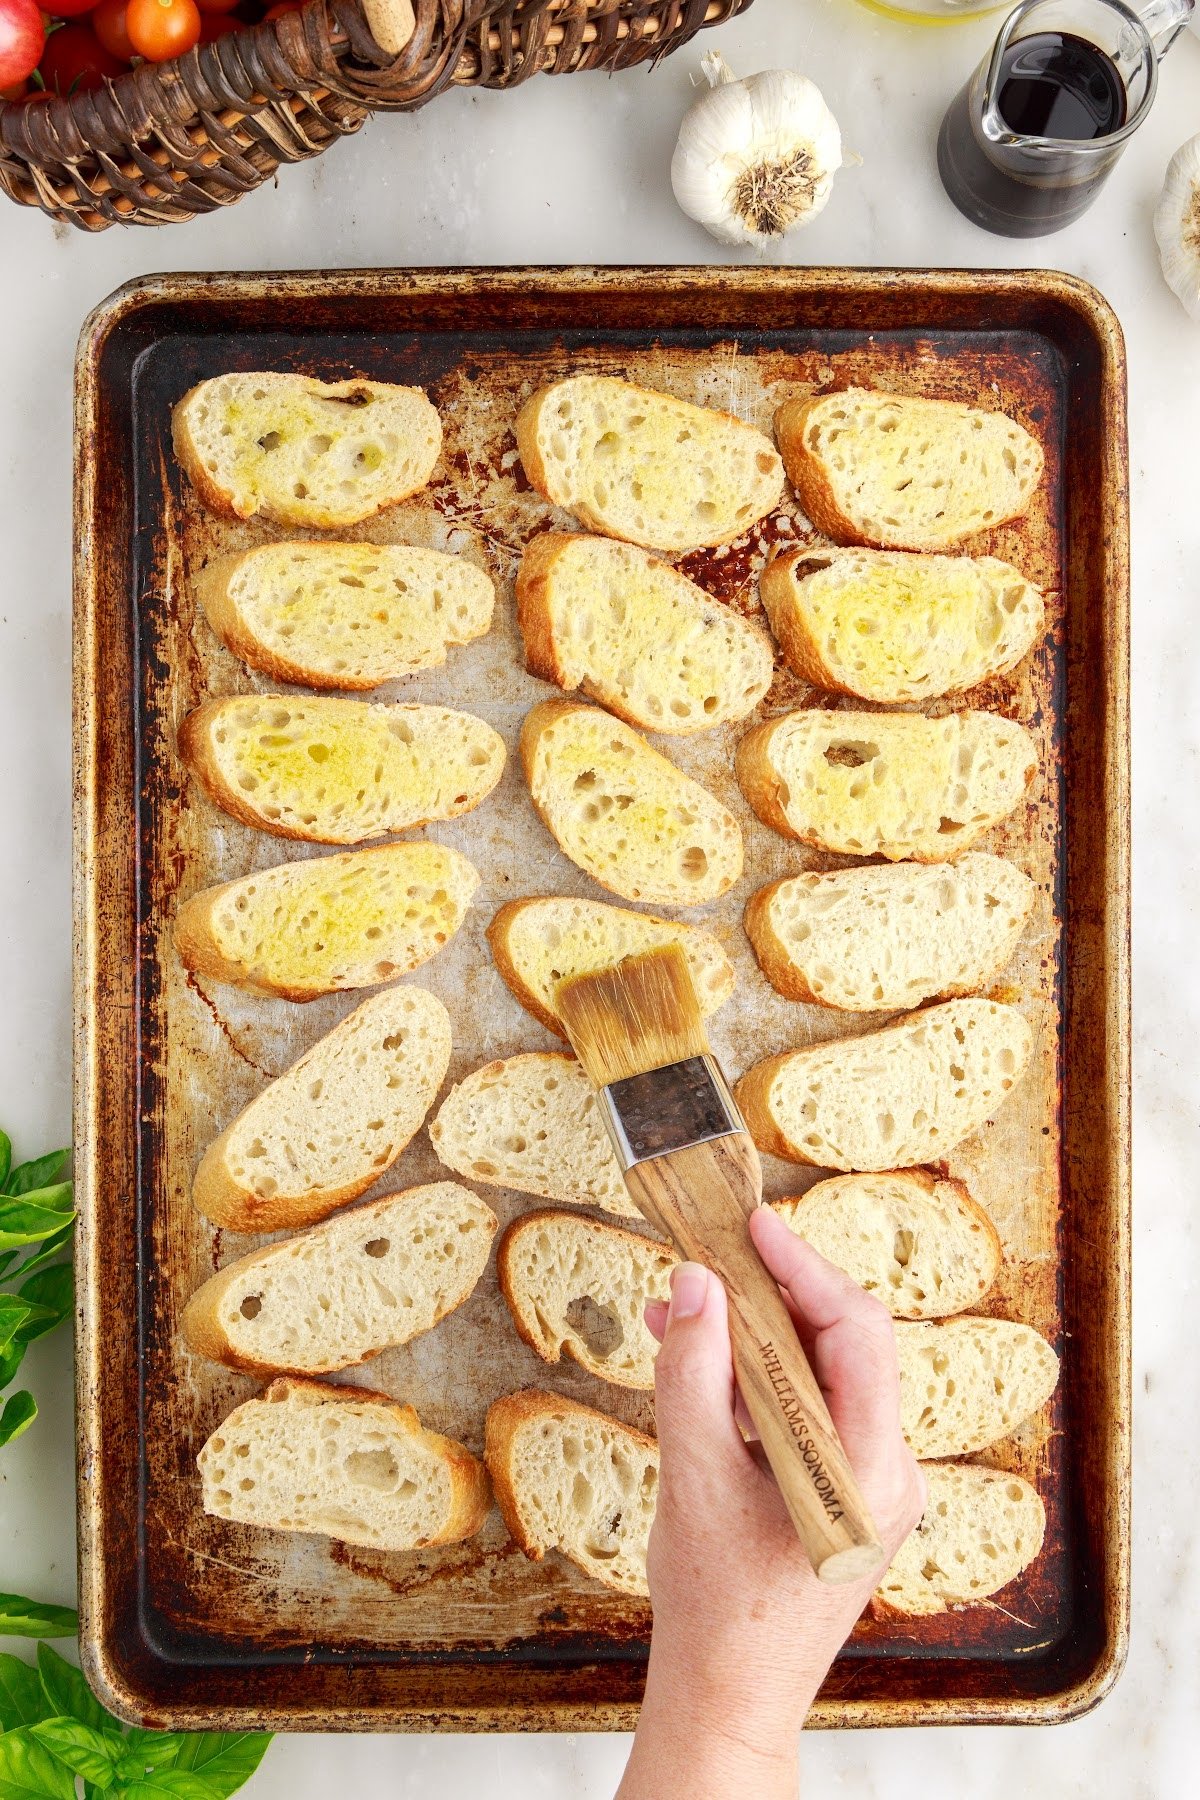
[755,158]
[1177,225]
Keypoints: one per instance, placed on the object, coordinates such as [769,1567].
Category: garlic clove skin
[755,158]
[1177,226]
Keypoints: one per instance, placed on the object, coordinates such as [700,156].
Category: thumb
[693,1380]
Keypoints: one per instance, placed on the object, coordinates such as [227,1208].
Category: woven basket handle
[392,23]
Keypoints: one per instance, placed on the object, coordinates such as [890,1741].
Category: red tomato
[216,25]
[108,23]
[161,29]
[71,9]
[75,61]
[218,6]
[22,34]
[284,6]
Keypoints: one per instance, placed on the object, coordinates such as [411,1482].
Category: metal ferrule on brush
[668,1109]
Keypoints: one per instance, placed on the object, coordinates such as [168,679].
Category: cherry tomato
[161,29]
[218,25]
[108,23]
[75,61]
[22,34]
[71,9]
[218,6]
[284,6]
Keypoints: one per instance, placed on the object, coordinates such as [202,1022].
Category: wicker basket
[170,140]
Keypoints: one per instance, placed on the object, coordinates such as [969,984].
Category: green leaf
[29,1772]
[81,1748]
[58,1240]
[22,1701]
[5,1158]
[9,1257]
[10,1361]
[13,1314]
[68,1694]
[226,1759]
[20,1410]
[156,1749]
[169,1784]
[36,1174]
[52,1291]
[29,1222]
[20,1617]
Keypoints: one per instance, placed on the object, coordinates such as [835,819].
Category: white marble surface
[576,170]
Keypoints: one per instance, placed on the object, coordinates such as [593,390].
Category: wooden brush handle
[701,1198]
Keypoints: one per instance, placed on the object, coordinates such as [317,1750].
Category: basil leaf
[20,1410]
[13,1313]
[37,1174]
[9,1256]
[21,1699]
[52,1291]
[5,1158]
[226,1759]
[20,1617]
[156,1749]
[24,1222]
[10,1361]
[169,1784]
[58,1240]
[29,1772]
[83,1749]
[68,1694]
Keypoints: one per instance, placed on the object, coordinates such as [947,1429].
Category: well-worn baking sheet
[219,1591]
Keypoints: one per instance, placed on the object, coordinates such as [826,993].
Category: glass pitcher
[1026,145]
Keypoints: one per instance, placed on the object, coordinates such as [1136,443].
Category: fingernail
[689,1290]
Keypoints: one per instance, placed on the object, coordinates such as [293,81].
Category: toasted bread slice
[904,473]
[329,922]
[638,464]
[376,1276]
[532,1123]
[886,784]
[917,1241]
[305,452]
[334,1122]
[345,1463]
[344,615]
[981,1528]
[906,1094]
[891,627]
[575,1285]
[626,815]
[966,1383]
[636,635]
[539,942]
[338,771]
[884,937]
[576,1481]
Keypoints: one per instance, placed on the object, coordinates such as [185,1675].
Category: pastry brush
[692,1170]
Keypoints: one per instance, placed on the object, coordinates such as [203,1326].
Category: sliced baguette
[884,937]
[891,627]
[576,1481]
[904,473]
[906,1094]
[330,922]
[626,815]
[344,615]
[886,784]
[338,771]
[305,452]
[539,942]
[334,1122]
[531,1123]
[638,464]
[345,1463]
[918,1242]
[636,635]
[572,1284]
[966,1383]
[375,1276]
[981,1528]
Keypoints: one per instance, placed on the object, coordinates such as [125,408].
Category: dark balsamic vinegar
[1051,85]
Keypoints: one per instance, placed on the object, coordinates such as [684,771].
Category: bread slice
[906,1094]
[344,615]
[338,1293]
[886,784]
[539,942]
[572,1284]
[574,1480]
[636,635]
[981,1528]
[531,1123]
[638,464]
[338,771]
[966,1383]
[305,452]
[629,818]
[902,473]
[885,937]
[329,922]
[917,1241]
[345,1463]
[891,627]
[334,1122]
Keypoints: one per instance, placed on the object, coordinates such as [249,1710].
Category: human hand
[743,1630]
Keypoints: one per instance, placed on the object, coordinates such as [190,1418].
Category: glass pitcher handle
[1164,20]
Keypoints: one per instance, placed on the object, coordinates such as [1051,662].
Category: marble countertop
[576,171]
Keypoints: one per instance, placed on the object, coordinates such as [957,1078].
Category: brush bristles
[641,1015]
